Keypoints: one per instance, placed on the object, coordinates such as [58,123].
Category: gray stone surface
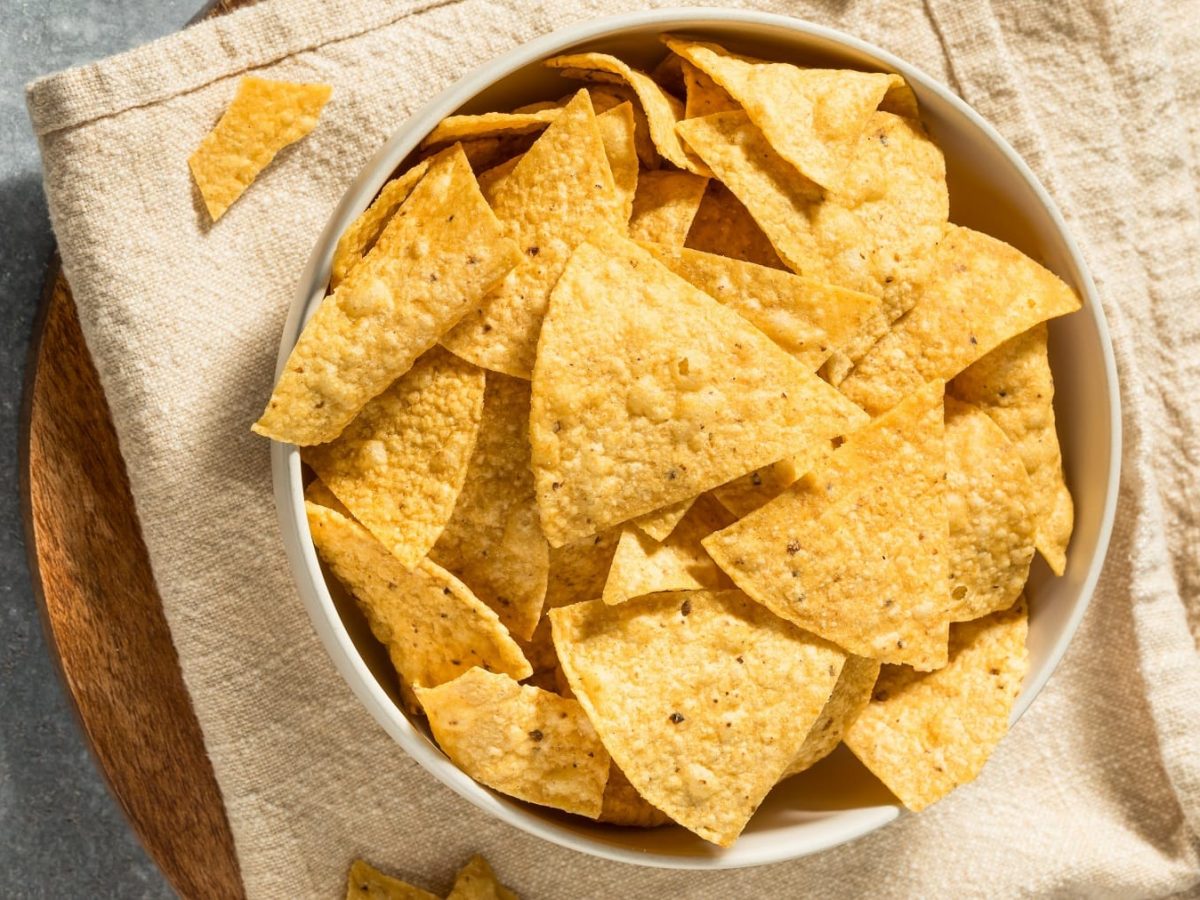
[61,833]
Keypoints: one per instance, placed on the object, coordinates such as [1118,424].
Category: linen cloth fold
[1096,792]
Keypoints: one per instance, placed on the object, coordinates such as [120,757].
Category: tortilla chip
[702,698]
[812,117]
[849,698]
[434,628]
[618,129]
[643,566]
[477,881]
[723,226]
[1014,386]
[661,109]
[704,96]
[662,522]
[399,466]
[745,494]
[360,236]
[560,191]
[665,205]
[365,882]
[640,405]
[492,124]
[980,293]
[668,74]
[318,493]
[925,734]
[623,805]
[806,318]
[394,305]
[522,741]
[489,179]
[990,502]
[493,540]
[263,118]
[855,551]
[875,237]
[900,99]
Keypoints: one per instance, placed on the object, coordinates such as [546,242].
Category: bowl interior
[991,190]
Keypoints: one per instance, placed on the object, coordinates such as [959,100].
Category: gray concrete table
[61,833]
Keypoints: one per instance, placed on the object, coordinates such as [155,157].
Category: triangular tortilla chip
[408,290]
[665,205]
[617,130]
[661,109]
[668,74]
[489,179]
[744,495]
[925,734]
[807,318]
[434,628]
[640,405]
[990,502]
[493,540]
[874,236]
[560,191]
[812,117]
[702,698]
[399,466]
[849,698]
[263,118]
[360,236]
[704,96]
[723,226]
[365,882]
[520,740]
[980,293]
[492,124]
[477,881]
[643,565]
[623,805]
[855,551]
[1014,386]
[662,522]
[318,493]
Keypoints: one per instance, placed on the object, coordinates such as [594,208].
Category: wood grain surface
[102,613]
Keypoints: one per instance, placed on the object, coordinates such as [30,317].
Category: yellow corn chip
[661,109]
[1014,386]
[665,205]
[668,74]
[263,118]
[702,698]
[980,293]
[806,318]
[399,466]
[643,565]
[489,179]
[560,191]
[662,522]
[493,124]
[623,805]
[364,231]
[925,734]
[477,881]
[365,882]
[989,499]
[812,117]
[900,99]
[745,494]
[493,540]
[618,129]
[704,96]
[434,628]
[318,493]
[640,405]
[855,551]
[849,698]
[522,741]
[723,226]
[394,305]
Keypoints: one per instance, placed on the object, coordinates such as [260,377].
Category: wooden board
[102,613]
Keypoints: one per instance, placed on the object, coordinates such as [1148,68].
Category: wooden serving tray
[102,613]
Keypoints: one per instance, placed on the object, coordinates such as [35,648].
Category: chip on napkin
[263,118]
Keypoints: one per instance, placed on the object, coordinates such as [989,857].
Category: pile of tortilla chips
[670,435]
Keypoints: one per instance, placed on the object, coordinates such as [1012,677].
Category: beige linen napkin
[1097,790]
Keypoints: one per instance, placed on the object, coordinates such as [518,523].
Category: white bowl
[991,189]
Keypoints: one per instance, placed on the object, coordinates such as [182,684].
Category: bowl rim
[285,458]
